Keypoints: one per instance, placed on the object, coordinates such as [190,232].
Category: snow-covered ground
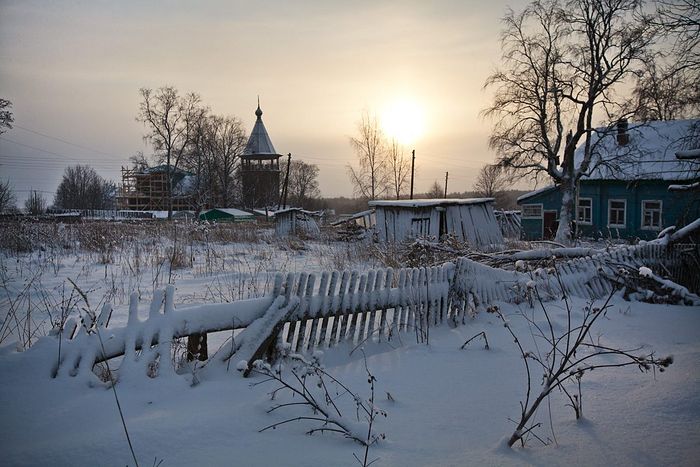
[446,407]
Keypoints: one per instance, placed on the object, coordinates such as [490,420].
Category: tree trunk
[566,214]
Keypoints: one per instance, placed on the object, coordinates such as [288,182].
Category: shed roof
[431,202]
[259,142]
[231,212]
[650,153]
[302,210]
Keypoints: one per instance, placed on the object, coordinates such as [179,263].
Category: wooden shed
[470,220]
[297,221]
[226,215]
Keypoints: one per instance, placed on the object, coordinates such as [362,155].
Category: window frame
[538,205]
[590,212]
[661,213]
[624,213]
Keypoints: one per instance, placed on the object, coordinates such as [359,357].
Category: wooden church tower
[260,168]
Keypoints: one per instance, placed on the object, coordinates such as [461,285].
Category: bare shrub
[319,391]
[563,358]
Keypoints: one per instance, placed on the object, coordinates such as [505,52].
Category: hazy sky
[73,71]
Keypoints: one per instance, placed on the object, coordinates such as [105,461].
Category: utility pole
[413,164]
[446,174]
[283,197]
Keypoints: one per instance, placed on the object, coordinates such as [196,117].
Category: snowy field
[444,405]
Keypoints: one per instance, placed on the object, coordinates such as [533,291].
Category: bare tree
[490,181]
[139,161]
[83,188]
[214,158]
[436,190]
[370,181]
[669,86]
[399,168]
[6,118]
[563,65]
[35,204]
[303,182]
[170,122]
[7,196]
[229,140]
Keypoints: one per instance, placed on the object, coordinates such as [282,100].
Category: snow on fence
[344,306]
[309,311]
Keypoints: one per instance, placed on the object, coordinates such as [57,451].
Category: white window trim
[591,207]
[541,216]
[661,214]
[617,226]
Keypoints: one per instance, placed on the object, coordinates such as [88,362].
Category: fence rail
[309,311]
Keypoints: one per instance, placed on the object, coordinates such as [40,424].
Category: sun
[403,121]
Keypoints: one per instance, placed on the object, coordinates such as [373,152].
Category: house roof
[527,196]
[231,212]
[422,203]
[650,153]
[259,142]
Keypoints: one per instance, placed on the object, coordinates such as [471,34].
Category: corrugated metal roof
[259,141]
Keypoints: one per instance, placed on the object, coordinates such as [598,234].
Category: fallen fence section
[305,312]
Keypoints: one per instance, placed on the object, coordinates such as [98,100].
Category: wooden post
[286,182]
[413,163]
[446,174]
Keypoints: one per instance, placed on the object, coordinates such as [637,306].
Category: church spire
[259,141]
[258,112]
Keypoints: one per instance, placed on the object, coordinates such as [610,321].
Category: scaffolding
[146,190]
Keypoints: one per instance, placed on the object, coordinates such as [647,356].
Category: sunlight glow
[403,120]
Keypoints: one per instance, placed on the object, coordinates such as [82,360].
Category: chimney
[623,138]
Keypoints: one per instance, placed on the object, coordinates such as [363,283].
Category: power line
[64,141]
[32,147]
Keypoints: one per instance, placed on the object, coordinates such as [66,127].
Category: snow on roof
[535,193]
[422,203]
[259,141]
[302,210]
[650,153]
[186,185]
[231,212]
[429,202]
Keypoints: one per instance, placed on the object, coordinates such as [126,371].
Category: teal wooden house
[630,191]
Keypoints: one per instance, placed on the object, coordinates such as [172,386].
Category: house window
[584,211]
[532,211]
[616,213]
[651,214]
[420,227]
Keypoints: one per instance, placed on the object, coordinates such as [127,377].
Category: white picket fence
[309,311]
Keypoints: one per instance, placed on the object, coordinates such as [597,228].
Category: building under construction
[146,189]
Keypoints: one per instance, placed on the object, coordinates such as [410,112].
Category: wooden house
[469,220]
[625,193]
